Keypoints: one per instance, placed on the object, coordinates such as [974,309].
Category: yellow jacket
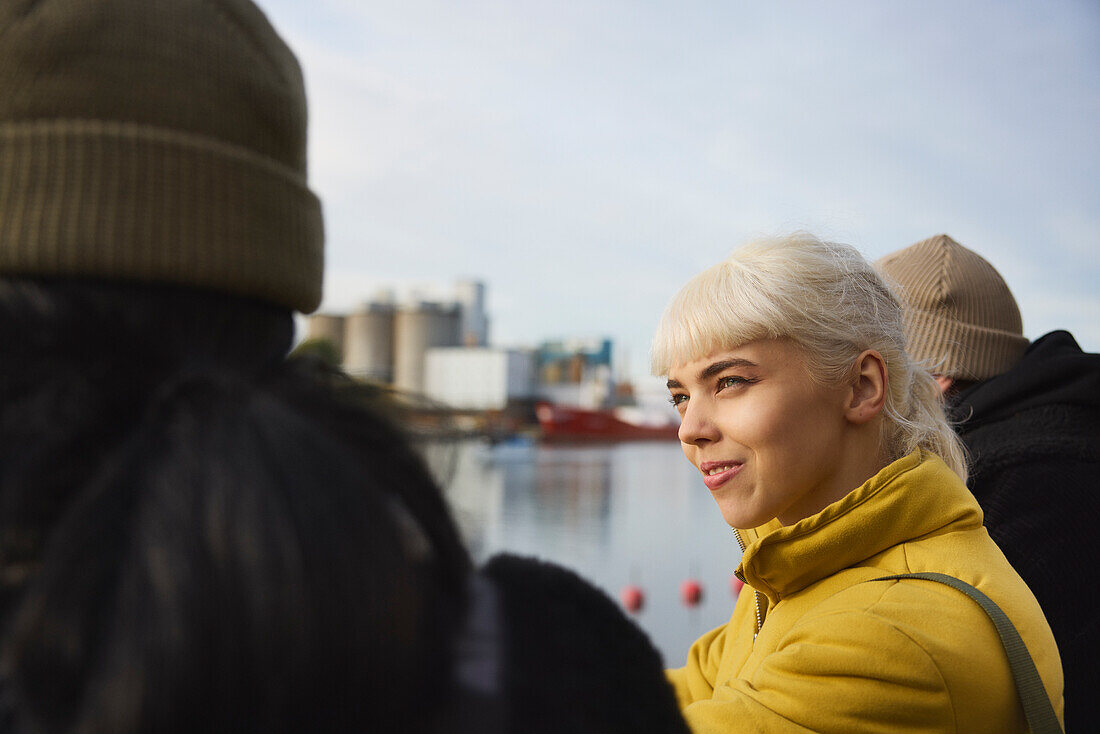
[837,655]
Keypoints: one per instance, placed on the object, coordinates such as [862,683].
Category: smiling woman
[827,450]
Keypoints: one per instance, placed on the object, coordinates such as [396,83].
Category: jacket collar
[1053,371]
[914,497]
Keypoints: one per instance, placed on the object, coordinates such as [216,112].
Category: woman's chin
[741,518]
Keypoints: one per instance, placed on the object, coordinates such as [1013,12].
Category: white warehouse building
[474,378]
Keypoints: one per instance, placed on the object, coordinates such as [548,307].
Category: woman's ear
[868,387]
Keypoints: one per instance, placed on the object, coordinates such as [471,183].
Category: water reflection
[629,513]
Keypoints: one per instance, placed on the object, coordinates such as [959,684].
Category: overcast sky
[585,158]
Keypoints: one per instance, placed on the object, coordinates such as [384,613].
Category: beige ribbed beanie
[157,141]
[961,318]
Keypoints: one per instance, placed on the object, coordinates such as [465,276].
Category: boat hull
[569,423]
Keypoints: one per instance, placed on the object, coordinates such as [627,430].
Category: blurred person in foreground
[1029,415]
[197,534]
[827,451]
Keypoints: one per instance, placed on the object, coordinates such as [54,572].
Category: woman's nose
[696,426]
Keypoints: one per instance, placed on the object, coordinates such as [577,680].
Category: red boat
[570,423]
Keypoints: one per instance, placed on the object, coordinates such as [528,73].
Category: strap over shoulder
[1041,718]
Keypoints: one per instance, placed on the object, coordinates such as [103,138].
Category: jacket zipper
[755,593]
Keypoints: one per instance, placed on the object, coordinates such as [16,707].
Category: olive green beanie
[157,141]
[961,318]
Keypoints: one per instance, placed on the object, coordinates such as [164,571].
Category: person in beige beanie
[1029,415]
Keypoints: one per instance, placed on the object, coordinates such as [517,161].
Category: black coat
[1033,434]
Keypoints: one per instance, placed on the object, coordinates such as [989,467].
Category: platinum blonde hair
[827,299]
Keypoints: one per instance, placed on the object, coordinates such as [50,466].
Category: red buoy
[735,585]
[691,592]
[632,597]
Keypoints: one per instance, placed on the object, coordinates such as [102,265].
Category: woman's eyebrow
[714,369]
[725,364]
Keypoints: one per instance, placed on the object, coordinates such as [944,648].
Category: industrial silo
[417,328]
[329,328]
[369,342]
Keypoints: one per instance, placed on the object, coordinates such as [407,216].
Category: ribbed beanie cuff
[960,350]
[85,198]
[156,142]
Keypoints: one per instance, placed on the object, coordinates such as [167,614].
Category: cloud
[586,158]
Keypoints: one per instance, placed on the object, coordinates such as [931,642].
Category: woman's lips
[725,473]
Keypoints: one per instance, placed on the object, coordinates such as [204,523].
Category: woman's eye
[725,382]
[677,399]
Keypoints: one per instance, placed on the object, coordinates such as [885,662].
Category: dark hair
[211,542]
[158,325]
[79,361]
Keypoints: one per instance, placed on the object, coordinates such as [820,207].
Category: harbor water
[618,514]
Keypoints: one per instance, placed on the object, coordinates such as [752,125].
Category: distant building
[575,372]
[586,352]
[417,328]
[479,378]
[435,346]
[387,339]
[329,328]
[473,323]
[368,342]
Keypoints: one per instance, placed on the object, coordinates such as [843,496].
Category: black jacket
[1033,434]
